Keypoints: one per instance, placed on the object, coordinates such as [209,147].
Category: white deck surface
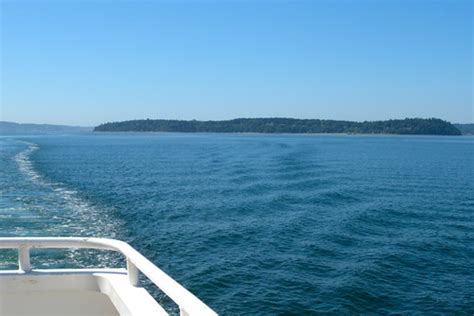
[57,303]
[74,292]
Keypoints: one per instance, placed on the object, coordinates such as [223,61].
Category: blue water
[262,224]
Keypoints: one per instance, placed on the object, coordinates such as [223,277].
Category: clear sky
[87,62]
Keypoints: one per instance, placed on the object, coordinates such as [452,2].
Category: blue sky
[88,62]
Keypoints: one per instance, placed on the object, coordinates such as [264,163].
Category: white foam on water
[24,162]
[62,210]
[78,215]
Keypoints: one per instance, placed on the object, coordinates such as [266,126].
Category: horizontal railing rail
[136,262]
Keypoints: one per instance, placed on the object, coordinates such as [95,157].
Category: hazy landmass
[414,126]
[10,128]
[466,129]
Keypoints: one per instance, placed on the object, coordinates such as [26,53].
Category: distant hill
[10,128]
[414,126]
[466,129]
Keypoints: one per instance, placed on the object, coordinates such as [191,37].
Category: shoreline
[257,133]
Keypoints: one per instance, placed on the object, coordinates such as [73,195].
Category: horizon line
[220,120]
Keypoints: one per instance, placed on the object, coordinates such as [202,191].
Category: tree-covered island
[412,126]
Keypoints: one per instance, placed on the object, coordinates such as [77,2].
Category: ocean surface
[260,224]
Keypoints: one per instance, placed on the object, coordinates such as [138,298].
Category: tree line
[413,126]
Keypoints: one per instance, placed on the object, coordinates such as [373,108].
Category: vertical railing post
[132,272]
[24,258]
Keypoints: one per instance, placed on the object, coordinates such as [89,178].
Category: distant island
[11,128]
[465,129]
[408,126]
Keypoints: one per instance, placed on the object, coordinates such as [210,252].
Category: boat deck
[74,292]
[57,303]
[104,291]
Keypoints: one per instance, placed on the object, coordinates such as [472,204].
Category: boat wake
[24,162]
[26,167]
[61,211]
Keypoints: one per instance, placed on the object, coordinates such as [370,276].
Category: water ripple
[265,225]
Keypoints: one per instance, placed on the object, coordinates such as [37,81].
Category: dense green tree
[466,129]
[414,126]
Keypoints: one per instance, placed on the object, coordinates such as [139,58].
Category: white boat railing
[136,262]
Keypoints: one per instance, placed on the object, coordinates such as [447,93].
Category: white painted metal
[24,258]
[187,302]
